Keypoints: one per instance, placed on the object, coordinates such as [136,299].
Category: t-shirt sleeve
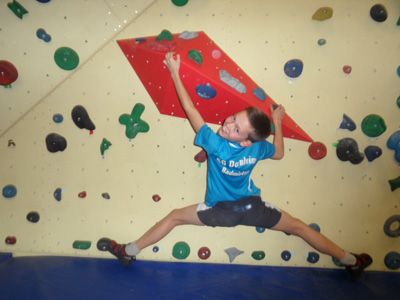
[267,150]
[207,139]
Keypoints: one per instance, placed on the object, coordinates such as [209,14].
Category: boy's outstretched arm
[195,119]
[277,116]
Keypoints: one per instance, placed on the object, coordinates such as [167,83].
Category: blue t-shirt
[230,166]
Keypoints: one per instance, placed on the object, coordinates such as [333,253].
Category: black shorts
[249,211]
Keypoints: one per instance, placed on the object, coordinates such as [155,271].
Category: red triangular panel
[146,56]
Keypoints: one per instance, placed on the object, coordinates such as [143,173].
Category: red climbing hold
[347,69]
[156,198]
[204,253]
[317,150]
[8,73]
[11,240]
[201,156]
[82,194]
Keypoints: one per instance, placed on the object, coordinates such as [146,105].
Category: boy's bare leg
[318,241]
[182,216]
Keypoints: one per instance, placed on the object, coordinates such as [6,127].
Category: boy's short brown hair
[261,123]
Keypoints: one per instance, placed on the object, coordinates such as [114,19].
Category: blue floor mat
[89,278]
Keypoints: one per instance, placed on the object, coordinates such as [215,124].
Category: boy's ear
[246,143]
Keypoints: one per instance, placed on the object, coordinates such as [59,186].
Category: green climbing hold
[323,13]
[17,9]
[394,183]
[181,250]
[258,255]
[105,144]
[165,35]
[196,56]
[180,2]
[321,42]
[133,123]
[398,102]
[83,245]
[66,58]
[398,22]
[373,125]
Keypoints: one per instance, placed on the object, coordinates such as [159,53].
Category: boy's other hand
[172,63]
[277,113]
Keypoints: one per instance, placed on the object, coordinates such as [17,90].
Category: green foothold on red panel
[66,58]
[196,56]
[165,35]
[181,250]
[83,245]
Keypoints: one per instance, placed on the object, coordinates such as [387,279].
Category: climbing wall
[86,153]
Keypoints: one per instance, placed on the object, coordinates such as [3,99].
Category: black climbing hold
[55,142]
[33,217]
[103,244]
[313,257]
[81,118]
[286,255]
[379,13]
[57,194]
[106,196]
[347,150]
[389,224]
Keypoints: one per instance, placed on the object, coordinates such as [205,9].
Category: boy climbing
[232,198]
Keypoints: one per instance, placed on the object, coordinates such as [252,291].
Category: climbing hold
[196,56]
[57,194]
[321,42]
[43,35]
[33,217]
[317,150]
[233,253]
[140,40]
[17,9]
[260,93]
[347,150]
[106,196]
[337,262]
[201,156]
[394,183]
[9,191]
[204,253]
[81,118]
[392,260]
[313,257]
[258,255]
[293,68]
[286,255]
[105,144]
[348,123]
[392,226]
[43,1]
[8,73]
[216,54]
[373,125]
[11,143]
[155,249]
[260,229]
[180,2]
[83,245]
[133,123]
[378,13]
[82,194]
[164,35]
[11,240]
[188,35]
[103,244]
[156,198]
[322,14]
[58,118]
[181,250]
[398,71]
[66,58]
[206,91]
[398,102]
[347,69]
[393,143]
[372,152]
[232,81]
[55,142]
[315,227]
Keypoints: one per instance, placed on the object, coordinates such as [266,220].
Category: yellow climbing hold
[323,13]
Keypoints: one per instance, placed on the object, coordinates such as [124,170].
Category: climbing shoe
[118,250]
[363,261]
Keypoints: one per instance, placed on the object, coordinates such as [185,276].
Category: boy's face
[236,128]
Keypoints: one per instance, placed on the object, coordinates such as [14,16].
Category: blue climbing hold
[260,229]
[206,91]
[315,227]
[293,68]
[348,123]
[398,71]
[9,191]
[372,152]
[259,92]
[393,143]
[58,118]
[392,260]
[313,257]
[43,35]
[57,194]
[43,1]
[286,255]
